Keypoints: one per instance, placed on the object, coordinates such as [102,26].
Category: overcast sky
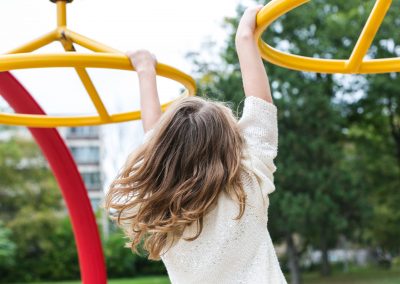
[168,28]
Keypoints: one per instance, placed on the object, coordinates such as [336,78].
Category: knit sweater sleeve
[259,126]
[147,135]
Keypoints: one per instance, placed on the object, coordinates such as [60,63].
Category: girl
[197,169]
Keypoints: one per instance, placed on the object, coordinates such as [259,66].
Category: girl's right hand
[142,60]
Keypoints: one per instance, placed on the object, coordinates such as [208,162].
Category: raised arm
[255,79]
[259,121]
[145,66]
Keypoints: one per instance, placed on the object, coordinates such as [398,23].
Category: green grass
[356,276]
[141,280]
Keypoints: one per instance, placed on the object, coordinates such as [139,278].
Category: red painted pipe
[87,238]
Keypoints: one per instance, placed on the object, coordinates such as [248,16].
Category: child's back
[197,189]
[236,251]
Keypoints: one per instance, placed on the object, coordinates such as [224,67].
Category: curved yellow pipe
[355,64]
[91,60]
[48,121]
[80,60]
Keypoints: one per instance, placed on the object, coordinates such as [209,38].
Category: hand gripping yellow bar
[102,57]
[354,65]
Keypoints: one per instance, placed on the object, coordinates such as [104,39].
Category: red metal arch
[87,238]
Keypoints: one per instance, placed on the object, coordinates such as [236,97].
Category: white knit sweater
[236,251]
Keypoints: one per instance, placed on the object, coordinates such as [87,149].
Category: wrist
[148,70]
[243,47]
[244,38]
[244,34]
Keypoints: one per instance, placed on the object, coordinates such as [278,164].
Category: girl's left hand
[247,24]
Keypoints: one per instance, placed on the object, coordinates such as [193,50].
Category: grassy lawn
[360,276]
[357,276]
[141,280]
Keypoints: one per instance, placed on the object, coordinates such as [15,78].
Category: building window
[92,180]
[86,154]
[95,203]
[83,132]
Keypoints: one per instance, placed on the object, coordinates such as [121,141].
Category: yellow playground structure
[355,64]
[102,57]
[107,57]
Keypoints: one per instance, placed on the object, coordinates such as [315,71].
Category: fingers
[137,51]
[142,58]
[141,53]
[247,24]
[253,10]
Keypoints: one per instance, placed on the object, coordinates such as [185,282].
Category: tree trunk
[398,152]
[325,265]
[294,267]
[394,127]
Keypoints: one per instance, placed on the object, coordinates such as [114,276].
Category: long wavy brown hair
[175,177]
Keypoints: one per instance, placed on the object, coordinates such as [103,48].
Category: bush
[396,262]
[122,262]
[7,249]
[45,249]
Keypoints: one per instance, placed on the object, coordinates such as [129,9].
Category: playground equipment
[28,112]
[103,57]
[355,64]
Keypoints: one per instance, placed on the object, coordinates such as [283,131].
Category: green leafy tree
[25,179]
[7,247]
[31,209]
[43,245]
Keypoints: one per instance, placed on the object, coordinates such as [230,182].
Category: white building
[87,148]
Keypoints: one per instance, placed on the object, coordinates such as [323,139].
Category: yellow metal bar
[276,8]
[89,43]
[94,96]
[61,13]
[368,34]
[273,10]
[88,60]
[88,84]
[64,40]
[377,66]
[45,121]
[36,43]
[301,63]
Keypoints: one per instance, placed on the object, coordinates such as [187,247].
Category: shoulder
[255,107]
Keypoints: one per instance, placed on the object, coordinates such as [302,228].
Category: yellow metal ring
[355,64]
[79,60]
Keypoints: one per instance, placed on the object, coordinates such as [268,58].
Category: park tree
[26,182]
[7,247]
[32,212]
[36,237]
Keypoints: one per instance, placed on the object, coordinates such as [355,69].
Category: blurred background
[334,217]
